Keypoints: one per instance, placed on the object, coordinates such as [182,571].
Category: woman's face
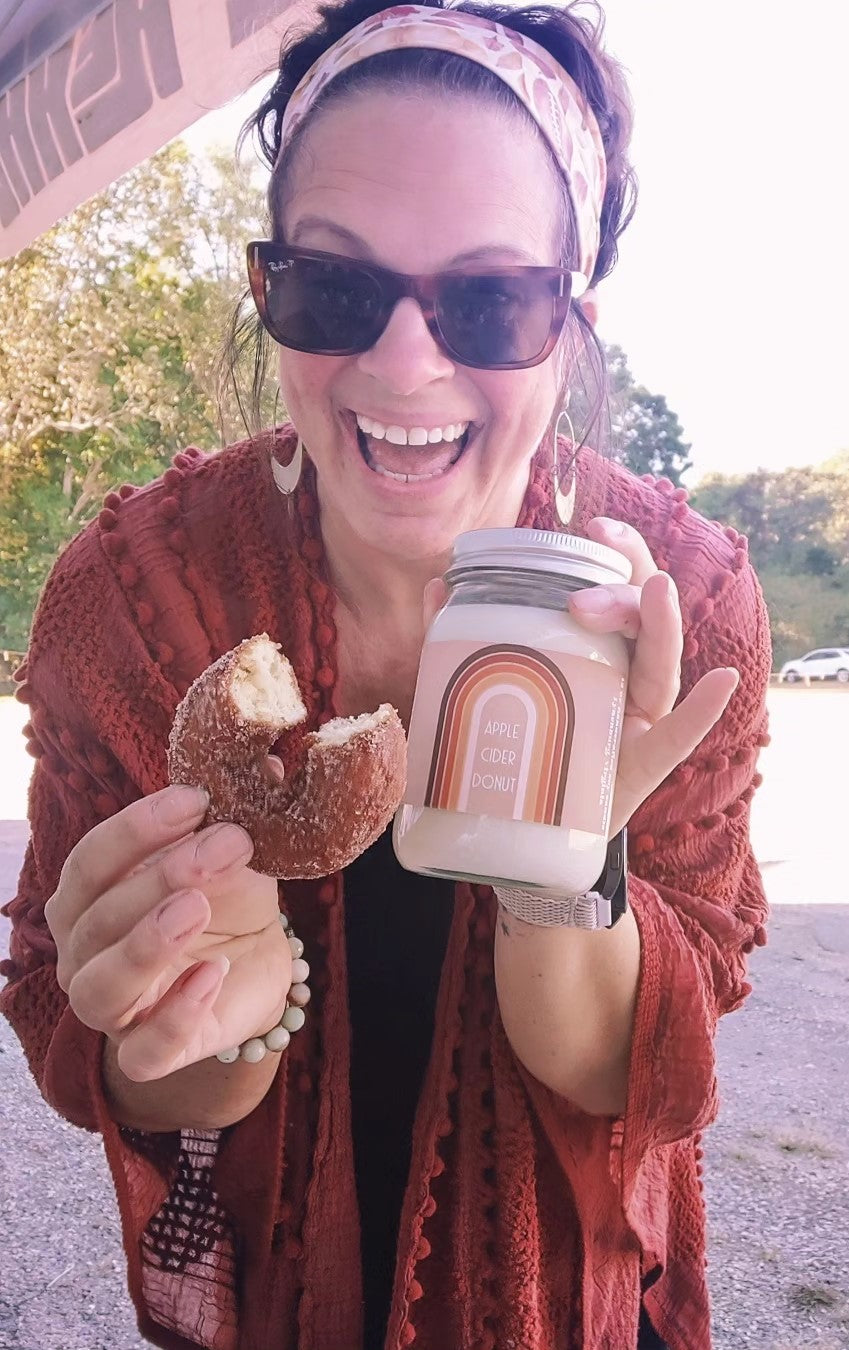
[419,184]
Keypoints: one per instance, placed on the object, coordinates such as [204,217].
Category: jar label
[517,733]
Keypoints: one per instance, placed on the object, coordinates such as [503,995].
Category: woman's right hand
[166,940]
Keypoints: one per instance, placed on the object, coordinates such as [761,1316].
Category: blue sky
[731,295]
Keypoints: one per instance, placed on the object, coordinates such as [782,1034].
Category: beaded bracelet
[293,1018]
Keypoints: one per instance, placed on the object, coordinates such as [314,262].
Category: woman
[487,1134]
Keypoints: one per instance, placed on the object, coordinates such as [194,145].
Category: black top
[396,926]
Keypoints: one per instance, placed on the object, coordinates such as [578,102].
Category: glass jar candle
[517,718]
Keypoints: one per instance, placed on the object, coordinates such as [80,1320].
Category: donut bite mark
[346,785]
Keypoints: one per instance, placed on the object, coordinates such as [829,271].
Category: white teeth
[414,436]
[406,477]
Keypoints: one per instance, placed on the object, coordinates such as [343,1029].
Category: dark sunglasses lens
[492,320]
[320,306]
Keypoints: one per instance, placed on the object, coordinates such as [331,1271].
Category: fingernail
[178,804]
[671,589]
[223,846]
[611,526]
[596,600]
[182,913]
[205,978]
[276,769]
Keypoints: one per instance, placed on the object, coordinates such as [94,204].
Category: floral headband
[550,95]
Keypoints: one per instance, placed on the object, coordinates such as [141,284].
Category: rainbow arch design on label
[543,691]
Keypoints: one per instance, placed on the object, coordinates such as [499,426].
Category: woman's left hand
[656,735]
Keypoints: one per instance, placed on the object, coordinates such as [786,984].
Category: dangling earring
[564,502]
[286,476]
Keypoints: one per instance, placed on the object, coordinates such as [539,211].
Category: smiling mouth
[412,456]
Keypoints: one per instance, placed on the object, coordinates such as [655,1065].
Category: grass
[810,1297]
[792,1142]
[797,1345]
[740,1155]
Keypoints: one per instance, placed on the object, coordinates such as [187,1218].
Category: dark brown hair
[574,40]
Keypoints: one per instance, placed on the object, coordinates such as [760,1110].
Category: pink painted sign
[89,88]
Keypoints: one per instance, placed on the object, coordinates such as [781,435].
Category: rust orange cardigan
[527,1224]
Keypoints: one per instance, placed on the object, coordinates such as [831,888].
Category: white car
[826,663]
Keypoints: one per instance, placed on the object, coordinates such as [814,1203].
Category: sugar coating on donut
[346,783]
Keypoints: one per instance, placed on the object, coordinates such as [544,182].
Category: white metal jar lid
[538,551]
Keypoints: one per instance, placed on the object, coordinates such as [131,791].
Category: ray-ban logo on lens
[279,266]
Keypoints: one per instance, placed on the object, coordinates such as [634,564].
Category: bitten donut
[344,789]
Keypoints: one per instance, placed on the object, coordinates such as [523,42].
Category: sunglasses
[491,318]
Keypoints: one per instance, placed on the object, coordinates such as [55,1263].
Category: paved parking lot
[776,1162]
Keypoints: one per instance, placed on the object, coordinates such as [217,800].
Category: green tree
[793,519]
[645,434]
[820,561]
[797,524]
[110,331]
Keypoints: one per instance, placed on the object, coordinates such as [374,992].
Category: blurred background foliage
[111,339]
[110,335]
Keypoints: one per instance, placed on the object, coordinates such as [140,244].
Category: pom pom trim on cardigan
[526,1222]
